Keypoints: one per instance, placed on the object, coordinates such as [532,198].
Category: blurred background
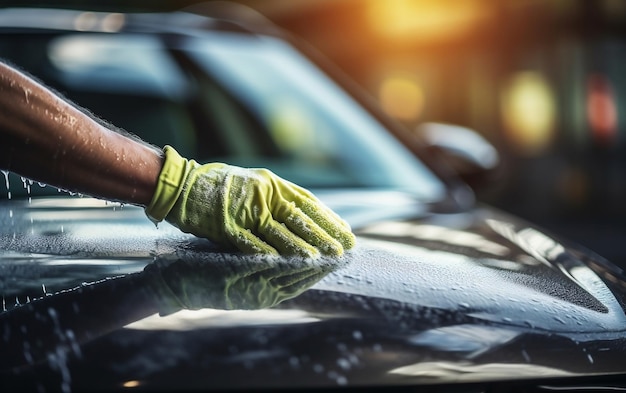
[543,80]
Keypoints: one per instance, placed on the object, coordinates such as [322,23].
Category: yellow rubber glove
[251,209]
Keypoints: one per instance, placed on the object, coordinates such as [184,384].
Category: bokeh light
[601,109]
[402,97]
[529,111]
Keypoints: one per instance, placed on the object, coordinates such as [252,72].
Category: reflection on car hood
[474,296]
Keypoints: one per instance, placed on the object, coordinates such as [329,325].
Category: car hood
[423,298]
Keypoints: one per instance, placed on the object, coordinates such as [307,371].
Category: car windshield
[323,137]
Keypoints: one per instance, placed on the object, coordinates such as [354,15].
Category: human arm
[47,139]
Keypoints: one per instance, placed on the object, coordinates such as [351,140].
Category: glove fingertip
[347,240]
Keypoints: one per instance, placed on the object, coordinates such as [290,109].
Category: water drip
[6,182]
[27,183]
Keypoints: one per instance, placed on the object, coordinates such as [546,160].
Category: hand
[251,209]
[230,282]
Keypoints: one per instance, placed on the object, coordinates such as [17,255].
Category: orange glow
[529,111]
[401,97]
[425,19]
[601,109]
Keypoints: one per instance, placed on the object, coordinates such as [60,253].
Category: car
[441,292]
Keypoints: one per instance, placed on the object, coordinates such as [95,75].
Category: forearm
[45,138]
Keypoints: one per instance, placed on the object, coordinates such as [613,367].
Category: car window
[133,63]
[316,127]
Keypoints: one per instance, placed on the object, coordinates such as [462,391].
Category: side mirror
[471,156]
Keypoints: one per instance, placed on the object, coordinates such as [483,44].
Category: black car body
[439,293]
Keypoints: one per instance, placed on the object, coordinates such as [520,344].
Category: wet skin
[47,139]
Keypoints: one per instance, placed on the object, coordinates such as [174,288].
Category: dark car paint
[471,297]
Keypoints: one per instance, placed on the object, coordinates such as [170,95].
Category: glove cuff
[169,185]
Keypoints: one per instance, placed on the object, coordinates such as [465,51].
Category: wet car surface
[440,292]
